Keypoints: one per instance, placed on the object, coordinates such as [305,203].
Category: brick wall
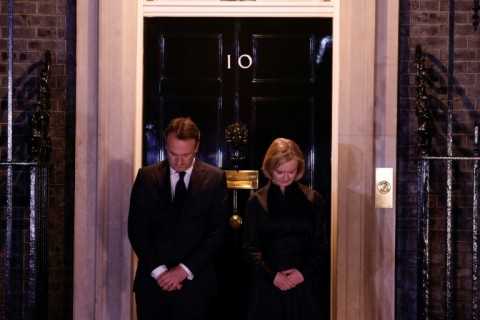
[40,26]
[427,23]
[50,25]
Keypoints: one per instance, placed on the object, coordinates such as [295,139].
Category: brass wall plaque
[384,188]
[242,179]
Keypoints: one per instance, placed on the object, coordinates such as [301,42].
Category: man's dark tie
[180,191]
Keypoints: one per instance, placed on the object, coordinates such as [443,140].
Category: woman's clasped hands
[288,279]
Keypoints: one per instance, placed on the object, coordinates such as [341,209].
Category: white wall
[107,153]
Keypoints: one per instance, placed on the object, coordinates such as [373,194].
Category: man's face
[180,153]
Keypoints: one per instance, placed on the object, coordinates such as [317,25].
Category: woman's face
[285,174]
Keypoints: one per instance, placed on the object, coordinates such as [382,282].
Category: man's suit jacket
[193,237]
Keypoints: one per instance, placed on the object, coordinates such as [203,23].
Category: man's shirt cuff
[158,271]
[189,273]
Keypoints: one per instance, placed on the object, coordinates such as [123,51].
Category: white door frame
[288,9]
[108,145]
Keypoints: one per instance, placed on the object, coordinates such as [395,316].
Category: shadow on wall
[24,96]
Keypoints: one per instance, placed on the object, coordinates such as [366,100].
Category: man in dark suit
[176,244]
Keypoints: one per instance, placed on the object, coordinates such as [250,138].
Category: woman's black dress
[284,231]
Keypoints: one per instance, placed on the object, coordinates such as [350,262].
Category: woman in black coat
[283,239]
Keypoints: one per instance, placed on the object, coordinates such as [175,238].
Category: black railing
[26,255]
[425,160]
[24,206]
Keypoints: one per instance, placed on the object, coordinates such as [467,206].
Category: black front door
[272,75]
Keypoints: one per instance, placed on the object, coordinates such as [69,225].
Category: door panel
[273,111]
[184,77]
[287,92]
[272,75]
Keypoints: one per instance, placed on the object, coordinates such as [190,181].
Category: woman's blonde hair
[280,151]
